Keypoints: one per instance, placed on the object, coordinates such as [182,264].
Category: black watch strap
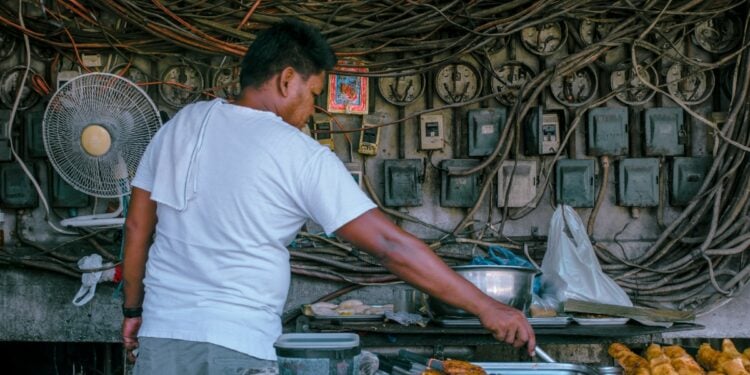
[132,312]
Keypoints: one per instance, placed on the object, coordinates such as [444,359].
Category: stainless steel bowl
[507,284]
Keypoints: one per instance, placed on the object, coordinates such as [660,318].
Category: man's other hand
[509,325]
[130,327]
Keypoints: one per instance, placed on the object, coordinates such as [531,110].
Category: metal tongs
[543,355]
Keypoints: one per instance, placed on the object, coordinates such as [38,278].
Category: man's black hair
[289,43]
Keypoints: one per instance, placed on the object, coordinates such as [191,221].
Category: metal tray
[524,368]
[557,321]
[344,318]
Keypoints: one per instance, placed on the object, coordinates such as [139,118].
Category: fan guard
[96,128]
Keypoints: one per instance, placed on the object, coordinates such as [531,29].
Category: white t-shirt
[218,271]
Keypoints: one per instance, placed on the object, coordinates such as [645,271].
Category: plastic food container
[318,354]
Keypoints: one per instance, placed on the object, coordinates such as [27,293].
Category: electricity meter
[542,134]
[638,182]
[431,136]
[401,90]
[607,132]
[629,86]
[226,83]
[687,177]
[689,83]
[16,190]
[457,83]
[508,80]
[132,73]
[574,89]
[664,130]
[369,136]
[7,45]
[575,182]
[718,35]
[9,86]
[544,39]
[403,186]
[485,126]
[321,130]
[518,176]
[593,32]
[455,190]
[181,85]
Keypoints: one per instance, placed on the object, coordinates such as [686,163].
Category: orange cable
[249,13]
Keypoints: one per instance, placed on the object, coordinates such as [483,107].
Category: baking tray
[307,311]
[556,321]
[538,368]
[601,321]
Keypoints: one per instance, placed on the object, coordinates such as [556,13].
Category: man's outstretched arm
[412,261]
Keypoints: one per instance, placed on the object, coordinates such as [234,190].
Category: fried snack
[632,363]
[456,367]
[727,346]
[721,362]
[659,363]
[682,362]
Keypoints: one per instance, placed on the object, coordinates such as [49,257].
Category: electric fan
[96,128]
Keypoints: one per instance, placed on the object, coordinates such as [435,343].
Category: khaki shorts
[157,356]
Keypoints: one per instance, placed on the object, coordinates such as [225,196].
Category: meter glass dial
[630,87]
[508,80]
[10,81]
[401,90]
[718,35]
[575,89]
[181,85]
[226,83]
[132,73]
[7,45]
[690,84]
[457,83]
[594,32]
[544,39]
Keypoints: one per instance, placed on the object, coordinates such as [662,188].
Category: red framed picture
[348,94]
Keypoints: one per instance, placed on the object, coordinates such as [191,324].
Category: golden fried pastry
[682,362]
[658,362]
[631,363]
[455,367]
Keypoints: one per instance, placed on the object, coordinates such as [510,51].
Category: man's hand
[130,327]
[509,325]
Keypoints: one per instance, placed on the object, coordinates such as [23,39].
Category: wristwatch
[132,312]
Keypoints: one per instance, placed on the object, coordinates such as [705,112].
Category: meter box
[63,195]
[403,186]
[16,190]
[575,182]
[458,191]
[485,126]
[321,130]
[542,131]
[521,176]
[687,177]
[664,132]
[33,138]
[369,137]
[607,132]
[638,182]
[431,134]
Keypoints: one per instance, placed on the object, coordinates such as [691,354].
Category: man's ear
[285,80]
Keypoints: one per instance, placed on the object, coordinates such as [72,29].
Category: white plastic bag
[570,268]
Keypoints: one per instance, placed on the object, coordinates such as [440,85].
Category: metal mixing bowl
[508,284]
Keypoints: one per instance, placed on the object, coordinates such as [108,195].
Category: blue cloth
[500,256]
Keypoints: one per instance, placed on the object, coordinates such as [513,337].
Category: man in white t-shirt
[225,187]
